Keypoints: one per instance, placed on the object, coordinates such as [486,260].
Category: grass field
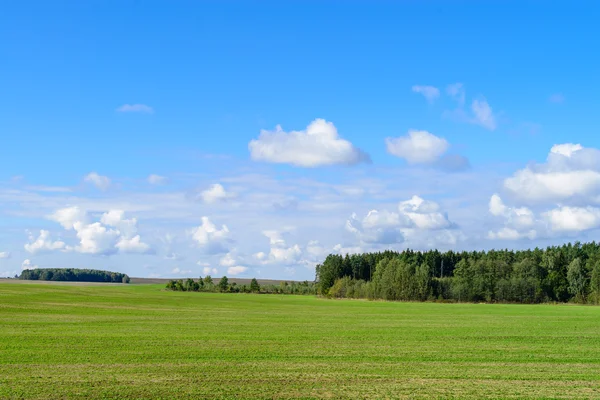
[139,341]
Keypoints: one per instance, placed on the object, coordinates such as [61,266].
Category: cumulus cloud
[228,260]
[571,172]
[215,193]
[280,251]
[236,270]
[113,233]
[209,271]
[573,219]
[43,243]
[211,239]
[430,93]
[135,108]
[27,264]
[156,179]
[413,218]
[4,255]
[418,147]
[100,181]
[424,148]
[518,221]
[180,271]
[318,145]
[511,234]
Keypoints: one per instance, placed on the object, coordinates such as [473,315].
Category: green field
[140,341]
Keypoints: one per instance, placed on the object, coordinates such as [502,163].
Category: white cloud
[483,114]
[156,179]
[518,221]
[429,92]
[414,216]
[457,92]
[4,255]
[215,193]
[43,243]
[318,145]
[228,260]
[180,271]
[69,216]
[571,172]
[236,270]
[210,238]
[574,219]
[209,271]
[518,217]
[418,147]
[27,264]
[100,181]
[112,234]
[135,108]
[133,245]
[511,234]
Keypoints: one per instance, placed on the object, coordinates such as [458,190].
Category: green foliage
[254,286]
[73,275]
[557,274]
[578,280]
[595,283]
[223,284]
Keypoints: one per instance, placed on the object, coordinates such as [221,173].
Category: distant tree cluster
[207,284]
[568,273]
[73,275]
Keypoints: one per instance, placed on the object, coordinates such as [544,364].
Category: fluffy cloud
[180,271]
[228,260]
[43,243]
[429,92]
[280,252]
[518,222]
[574,219]
[236,270]
[414,217]
[100,181]
[156,179]
[211,239]
[418,147]
[209,271]
[135,108]
[571,172]
[112,234]
[511,234]
[4,255]
[318,145]
[215,193]
[424,148]
[27,264]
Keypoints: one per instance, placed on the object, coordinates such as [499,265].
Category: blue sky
[98,96]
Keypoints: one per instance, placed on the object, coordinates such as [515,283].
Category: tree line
[73,274]
[207,284]
[567,273]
